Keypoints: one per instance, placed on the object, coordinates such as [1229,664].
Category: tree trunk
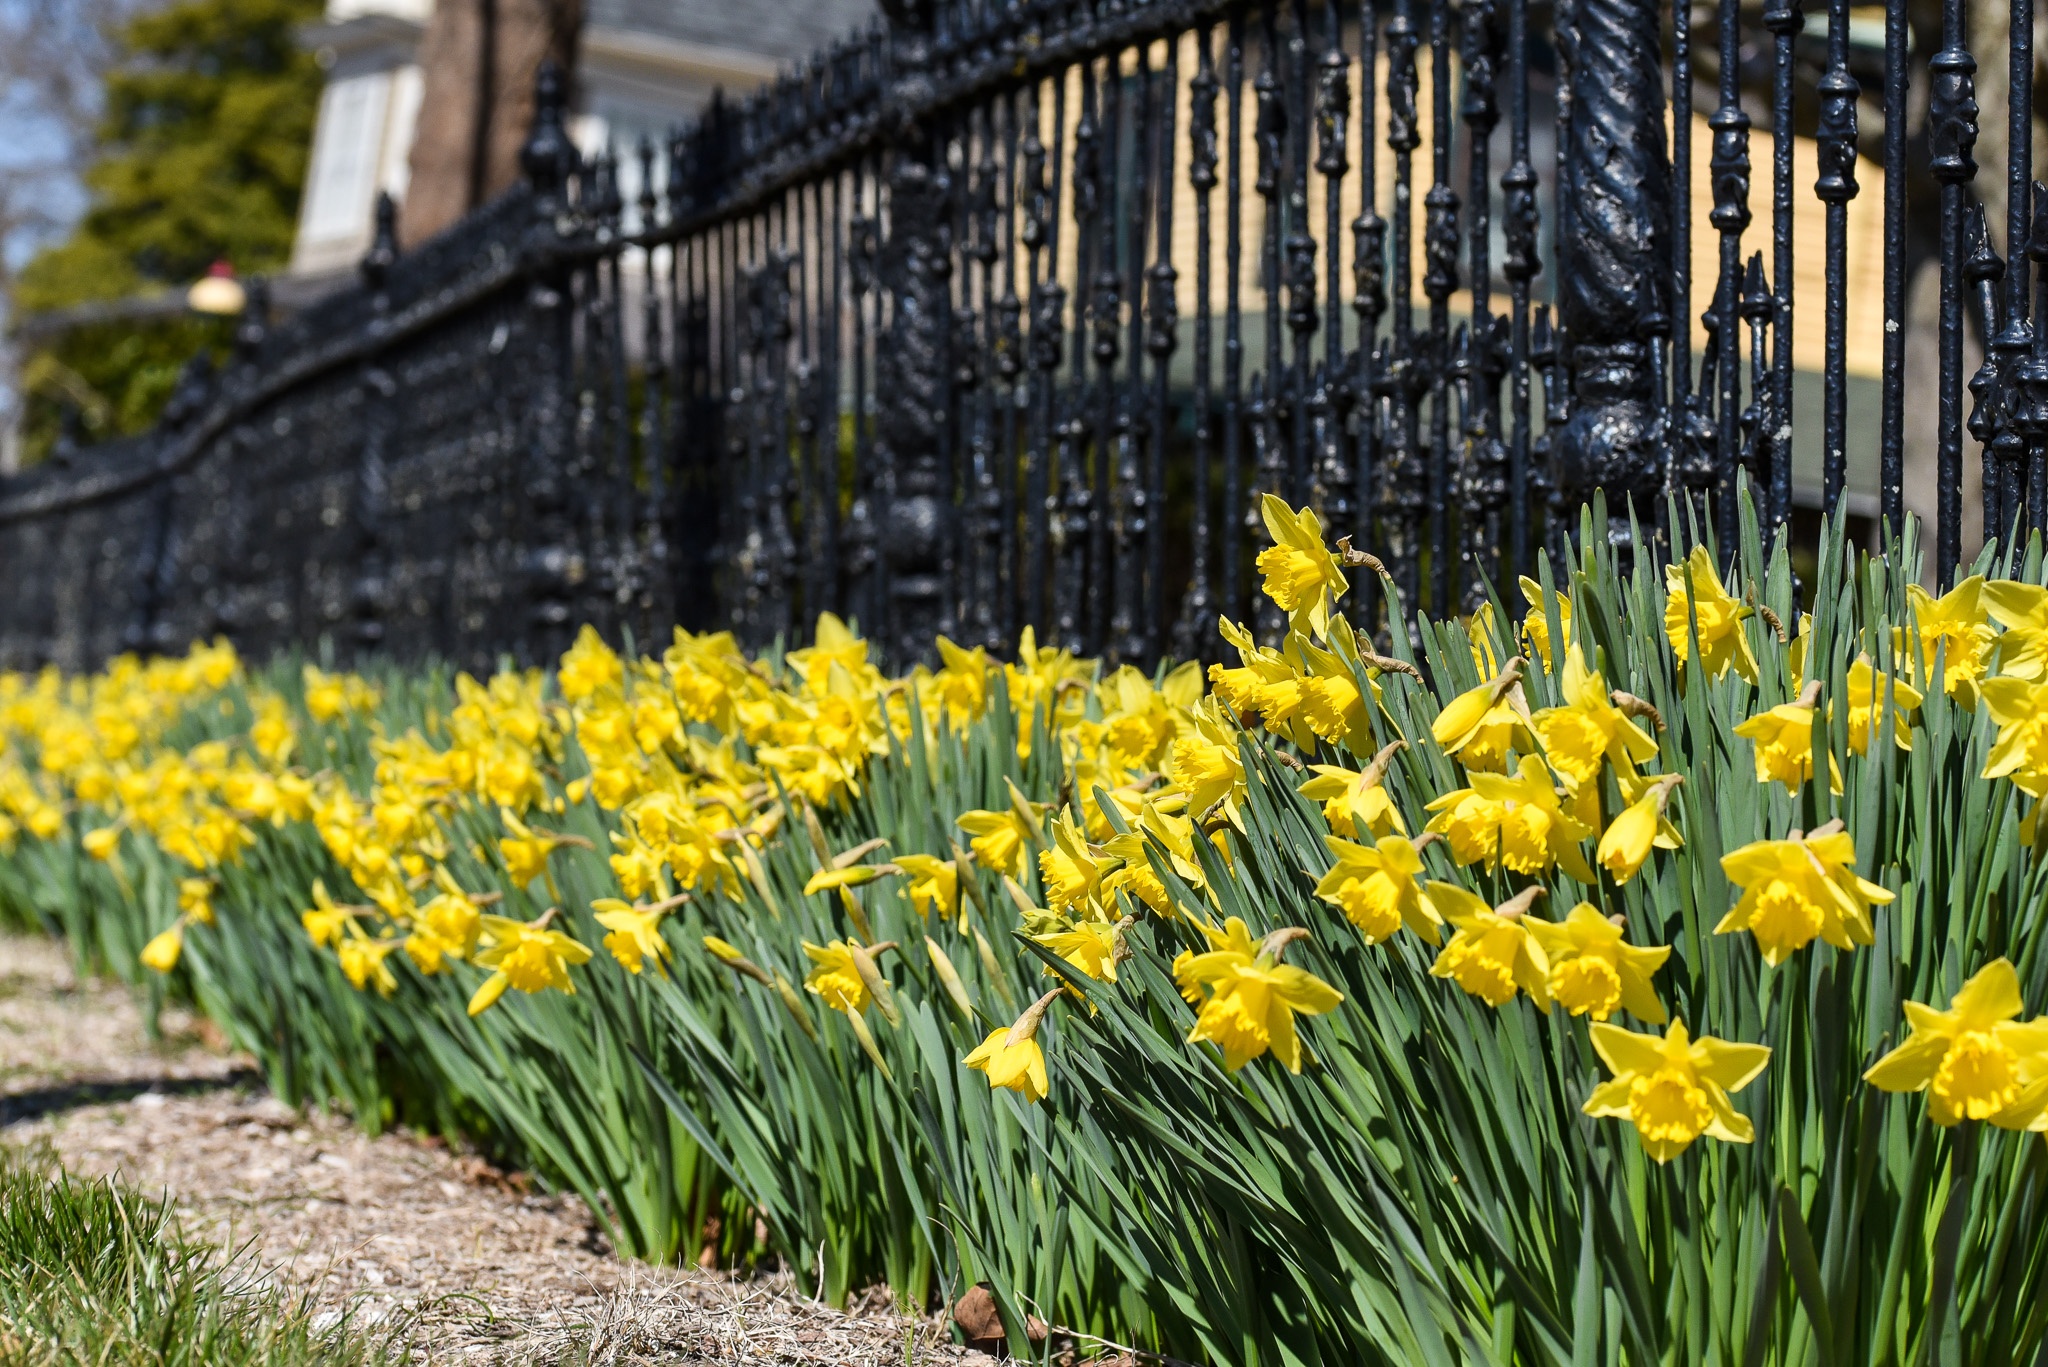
[478,59]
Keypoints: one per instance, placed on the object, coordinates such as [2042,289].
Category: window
[347,148]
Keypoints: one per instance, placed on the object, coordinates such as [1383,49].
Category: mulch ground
[475,1264]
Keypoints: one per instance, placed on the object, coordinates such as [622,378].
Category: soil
[470,1263]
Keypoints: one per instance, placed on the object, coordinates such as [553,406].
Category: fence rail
[1005,313]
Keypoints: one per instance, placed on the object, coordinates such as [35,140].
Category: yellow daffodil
[1011,1056]
[101,843]
[1354,801]
[161,954]
[1376,889]
[1301,575]
[1536,625]
[1954,626]
[1482,724]
[1492,954]
[362,961]
[2020,707]
[1783,740]
[1589,729]
[1798,889]
[1594,971]
[845,976]
[588,666]
[2022,609]
[1709,608]
[1206,765]
[634,933]
[1070,870]
[195,899]
[1089,946]
[1867,706]
[934,883]
[1518,823]
[325,921]
[999,838]
[1628,839]
[1976,1060]
[1675,1088]
[527,955]
[1248,998]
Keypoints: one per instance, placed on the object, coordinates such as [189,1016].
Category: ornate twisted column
[1615,263]
[913,379]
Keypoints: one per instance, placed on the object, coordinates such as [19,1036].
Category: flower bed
[1650,980]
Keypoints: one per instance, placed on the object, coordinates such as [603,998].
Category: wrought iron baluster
[1161,341]
[1520,263]
[1730,171]
[1439,279]
[1266,409]
[832,286]
[1951,138]
[1072,531]
[1486,489]
[647,523]
[1127,639]
[1048,317]
[1836,147]
[1369,302]
[1106,314]
[2030,381]
[1892,438]
[1299,246]
[1198,603]
[1404,488]
[864,590]
[985,491]
[1233,322]
[2016,341]
[1999,445]
[1335,492]
[1009,363]
[1784,20]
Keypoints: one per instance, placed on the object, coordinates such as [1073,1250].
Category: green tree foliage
[202,154]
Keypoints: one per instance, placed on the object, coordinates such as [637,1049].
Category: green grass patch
[95,1272]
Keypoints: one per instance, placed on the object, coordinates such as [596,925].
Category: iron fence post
[913,390]
[1614,267]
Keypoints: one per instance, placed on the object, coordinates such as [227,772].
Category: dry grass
[399,1227]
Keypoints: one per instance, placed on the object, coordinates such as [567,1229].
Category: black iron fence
[1005,314]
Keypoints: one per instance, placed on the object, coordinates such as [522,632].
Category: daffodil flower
[934,883]
[161,954]
[1354,800]
[1675,1088]
[1798,889]
[2020,707]
[1536,625]
[1482,724]
[1589,729]
[1518,823]
[1301,576]
[1248,998]
[1867,706]
[1011,1056]
[1976,1060]
[1594,970]
[1376,889]
[1783,740]
[1090,946]
[634,933]
[1628,839]
[362,961]
[1954,626]
[1493,953]
[1710,609]
[1071,870]
[527,955]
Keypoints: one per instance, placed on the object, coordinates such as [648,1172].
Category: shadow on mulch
[46,1101]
